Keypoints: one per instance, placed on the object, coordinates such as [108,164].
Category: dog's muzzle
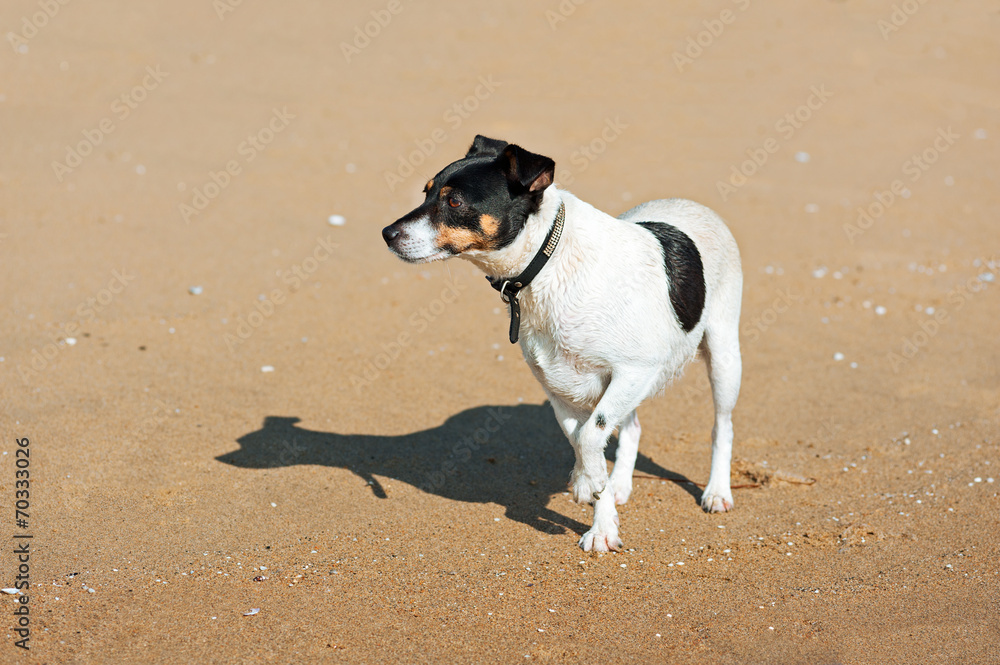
[413,240]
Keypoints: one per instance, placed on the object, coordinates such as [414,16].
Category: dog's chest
[561,355]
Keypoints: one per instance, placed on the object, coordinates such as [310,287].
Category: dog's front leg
[625,392]
[571,419]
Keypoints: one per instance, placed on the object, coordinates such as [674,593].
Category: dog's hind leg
[628,447]
[721,348]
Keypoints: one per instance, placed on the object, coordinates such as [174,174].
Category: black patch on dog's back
[685,272]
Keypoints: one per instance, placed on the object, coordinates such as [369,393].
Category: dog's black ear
[525,170]
[485,146]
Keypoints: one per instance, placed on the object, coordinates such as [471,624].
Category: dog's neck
[515,257]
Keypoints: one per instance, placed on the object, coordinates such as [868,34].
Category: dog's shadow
[514,456]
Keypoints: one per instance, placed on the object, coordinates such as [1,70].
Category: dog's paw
[601,540]
[717,500]
[622,489]
[584,486]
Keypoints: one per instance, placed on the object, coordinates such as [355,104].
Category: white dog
[608,311]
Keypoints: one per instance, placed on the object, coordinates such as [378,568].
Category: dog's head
[476,205]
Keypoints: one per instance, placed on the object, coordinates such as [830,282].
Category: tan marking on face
[490,225]
[444,192]
[461,240]
[429,186]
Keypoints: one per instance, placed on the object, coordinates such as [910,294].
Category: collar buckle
[507,297]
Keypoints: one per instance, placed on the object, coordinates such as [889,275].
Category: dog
[607,310]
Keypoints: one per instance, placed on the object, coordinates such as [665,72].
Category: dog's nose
[390,233]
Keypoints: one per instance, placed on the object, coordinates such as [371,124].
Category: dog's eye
[453,202]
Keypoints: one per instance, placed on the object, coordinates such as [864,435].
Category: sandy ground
[151,149]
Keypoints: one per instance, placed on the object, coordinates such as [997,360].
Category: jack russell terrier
[608,311]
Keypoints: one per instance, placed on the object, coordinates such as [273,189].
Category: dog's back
[719,254]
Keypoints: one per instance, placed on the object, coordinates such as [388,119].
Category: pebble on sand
[337,220]
[267,368]
[251,612]
[194,290]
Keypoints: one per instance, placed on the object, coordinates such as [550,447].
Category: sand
[232,403]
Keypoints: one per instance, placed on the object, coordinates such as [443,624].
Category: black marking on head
[527,171]
[482,201]
[600,421]
[685,272]
[482,145]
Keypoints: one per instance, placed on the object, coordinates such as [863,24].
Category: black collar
[509,288]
